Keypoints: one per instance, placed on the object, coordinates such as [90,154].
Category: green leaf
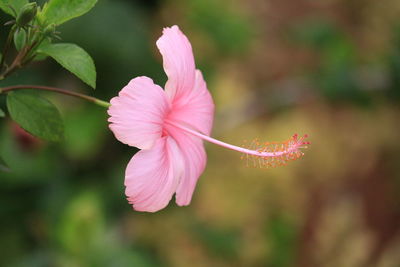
[60,11]
[15,4]
[36,115]
[2,114]
[74,59]
[19,39]
[3,166]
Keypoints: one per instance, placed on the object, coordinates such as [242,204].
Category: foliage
[74,59]
[12,7]
[36,115]
[60,11]
[33,33]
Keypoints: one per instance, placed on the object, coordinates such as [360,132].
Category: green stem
[6,46]
[56,90]
[30,55]
[16,64]
[24,57]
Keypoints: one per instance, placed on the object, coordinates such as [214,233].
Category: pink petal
[137,114]
[194,158]
[178,62]
[152,176]
[196,109]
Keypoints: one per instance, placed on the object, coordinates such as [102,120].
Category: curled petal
[137,114]
[152,176]
[178,62]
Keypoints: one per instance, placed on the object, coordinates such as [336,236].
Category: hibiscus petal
[196,109]
[178,62]
[152,176]
[137,114]
[194,158]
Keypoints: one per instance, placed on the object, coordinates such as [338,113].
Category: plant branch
[14,65]
[30,55]
[56,90]
[6,46]
[24,57]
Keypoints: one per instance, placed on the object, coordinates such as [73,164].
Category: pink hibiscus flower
[169,127]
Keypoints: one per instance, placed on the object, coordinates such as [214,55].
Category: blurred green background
[328,68]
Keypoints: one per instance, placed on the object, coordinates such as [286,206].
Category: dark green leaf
[3,166]
[36,115]
[19,39]
[60,11]
[2,114]
[74,59]
[15,4]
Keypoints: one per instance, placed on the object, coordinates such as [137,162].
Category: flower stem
[56,90]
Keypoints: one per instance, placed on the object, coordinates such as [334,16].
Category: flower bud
[27,14]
